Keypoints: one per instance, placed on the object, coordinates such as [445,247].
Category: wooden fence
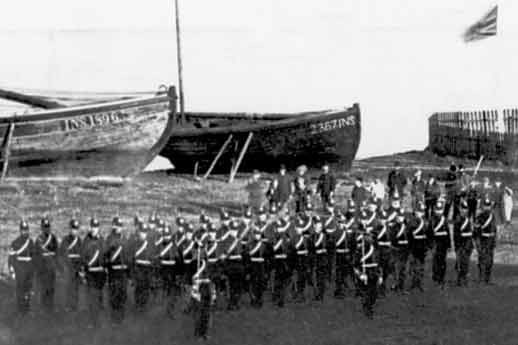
[472,134]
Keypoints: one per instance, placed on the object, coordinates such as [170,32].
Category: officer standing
[142,268]
[440,232]
[257,251]
[320,256]
[117,261]
[486,240]
[367,270]
[344,247]
[93,271]
[401,248]
[169,263]
[463,236]
[326,185]
[20,262]
[234,268]
[282,271]
[418,231]
[46,249]
[70,253]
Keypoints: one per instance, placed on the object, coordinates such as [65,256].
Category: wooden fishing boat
[264,140]
[106,139]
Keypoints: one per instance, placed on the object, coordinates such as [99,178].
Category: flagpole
[179,61]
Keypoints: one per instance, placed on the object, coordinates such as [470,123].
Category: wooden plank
[6,150]
[241,156]
[220,152]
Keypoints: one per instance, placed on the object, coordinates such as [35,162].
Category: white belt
[212,260]
[203,280]
[235,257]
[466,234]
[187,261]
[119,267]
[488,235]
[370,265]
[302,252]
[74,256]
[96,269]
[441,234]
[420,237]
[384,243]
[402,242]
[168,262]
[143,262]
[321,251]
[24,258]
[48,254]
[281,256]
[257,259]
[342,251]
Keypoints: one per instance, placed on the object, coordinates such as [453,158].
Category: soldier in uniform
[203,295]
[188,252]
[117,261]
[20,262]
[257,252]
[440,233]
[367,270]
[234,268]
[384,247]
[463,237]
[344,247]
[301,246]
[485,237]
[169,264]
[93,271]
[329,227]
[419,243]
[70,253]
[214,266]
[46,249]
[142,268]
[281,267]
[399,236]
[319,253]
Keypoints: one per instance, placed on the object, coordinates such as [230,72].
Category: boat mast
[179,62]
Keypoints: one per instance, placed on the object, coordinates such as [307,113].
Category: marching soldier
[70,253]
[142,268]
[320,257]
[257,251]
[203,295]
[344,247]
[281,267]
[214,266]
[463,236]
[20,262]
[419,243]
[46,248]
[93,271]
[485,236]
[400,235]
[188,252]
[440,232]
[301,245]
[169,263]
[367,270]
[234,269]
[384,250]
[117,261]
[329,227]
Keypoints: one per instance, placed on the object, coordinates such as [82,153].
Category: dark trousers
[343,269]
[202,311]
[321,266]
[472,208]
[451,201]
[281,278]
[258,283]
[235,273]
[331,257]
[170,287]
[326,198]
[463,253]
[95,283]
[439,262]
[369,292]
[24,279]
[485,259]
[303,276]
[386,265]
[72,282]
[401,263]
[47,282]
[429,203]
[417,260]
[118,292]
[142,281]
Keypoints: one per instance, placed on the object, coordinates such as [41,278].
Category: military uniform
[169,262]
[70,252]
[93,267]
[257,253]
[301,258]
[21,266]
[330,225]
[463,237]
[281,267]
[400,238]
[419,243]
[367,269]
[320,256]
[142,255]
[46,265]
[117,262]
[485,235]
[203,295]
[440,233]
[344,247]
[234,266]
[384,249]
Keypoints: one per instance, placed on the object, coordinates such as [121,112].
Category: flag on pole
[485,27]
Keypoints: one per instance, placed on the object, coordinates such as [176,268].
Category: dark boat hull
[111,139]
[309,138]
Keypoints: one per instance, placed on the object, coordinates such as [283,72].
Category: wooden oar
[30,100]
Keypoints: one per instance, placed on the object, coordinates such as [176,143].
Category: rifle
[478,166]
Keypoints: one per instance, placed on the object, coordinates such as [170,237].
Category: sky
[401,60]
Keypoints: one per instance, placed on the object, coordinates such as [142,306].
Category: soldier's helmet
[74,224]
[24,226]
[94,223]
[167,230]
[248,213]
[117,222]
[317,219]
[463,205]
[351,205]
[261,211]
[137,220]
[273,208]
[395,196]
[331,203]
[364,216]
[300,222]
[212,227]
[400,215]
[340,216]
[487,203]
[234,224]
[180,221]
[382,214]
[45,223]
[153,218]
[189,228]
[161,224]
[204,219]
[439,206]
[420,208]
[223,214]
[144,228]
[309,206]
[372,202]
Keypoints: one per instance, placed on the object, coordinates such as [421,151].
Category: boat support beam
[218,156]
[233,172]
[6,149]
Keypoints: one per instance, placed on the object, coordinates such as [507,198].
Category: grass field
[475,315]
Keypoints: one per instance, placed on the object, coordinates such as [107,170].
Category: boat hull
[309,138]
[112,139]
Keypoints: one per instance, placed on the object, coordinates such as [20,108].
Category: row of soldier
[361,248]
